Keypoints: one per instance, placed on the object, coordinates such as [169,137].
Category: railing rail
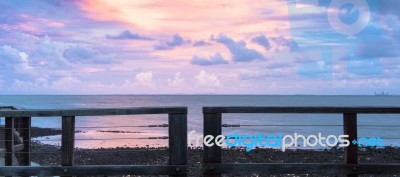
[92,112]
[308,109]
[177,130]
[212,155]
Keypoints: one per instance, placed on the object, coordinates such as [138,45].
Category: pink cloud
[35,24]
[192,18]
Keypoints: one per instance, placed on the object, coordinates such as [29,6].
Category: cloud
[9,55]
[262,41]
[92,70]
[128,35]
[245,74]
[200,43]
[239,50]
[389,7]
[176,40]
[365,66]
[68,57]
[284,73]
[15,60]
[388,47]
[83,54]
[47,18]
[212,60]
[286,43]
[316,70]
[207,79]
[383,40]
[49,52]
[194,18]
[66,83]
[178,81]
[24,66]
[144,78]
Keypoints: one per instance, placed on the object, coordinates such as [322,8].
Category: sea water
[120,131]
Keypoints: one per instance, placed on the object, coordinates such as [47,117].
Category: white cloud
[17,61]
[24,66]
[50,52]
[8,55]
[251,73]
[207,79]
[144,77]
[178,81]
[143,81]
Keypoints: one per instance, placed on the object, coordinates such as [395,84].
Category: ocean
[117,131]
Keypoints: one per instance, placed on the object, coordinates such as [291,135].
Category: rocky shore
[44,154]
[50,155]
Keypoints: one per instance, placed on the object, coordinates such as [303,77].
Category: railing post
[67,140]
[212,126]
[9,141]
[177,140]
[25,125]
[350,128]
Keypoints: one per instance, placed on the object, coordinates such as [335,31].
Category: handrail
[92,111]
[214,167]
[7,107]
[302,109]
[177,130]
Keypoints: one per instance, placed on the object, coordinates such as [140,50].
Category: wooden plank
[319,110]
[301,168]
[177,140]
[25,154]
[212,126]
[350,128]
[67,140]
[103,170]
[7,107]
[91,111]
[9,141]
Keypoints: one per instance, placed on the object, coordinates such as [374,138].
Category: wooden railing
[16,140]
[177,130]
[212,155]
[177,164]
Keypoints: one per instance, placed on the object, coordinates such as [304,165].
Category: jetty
[17,143]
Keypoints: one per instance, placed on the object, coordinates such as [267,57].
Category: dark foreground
[50,155]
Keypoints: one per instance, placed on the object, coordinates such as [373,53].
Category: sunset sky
[199,47]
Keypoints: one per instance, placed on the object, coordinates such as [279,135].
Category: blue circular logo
[349,14]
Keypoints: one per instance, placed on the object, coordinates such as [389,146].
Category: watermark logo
[281,141]
[335,32]
[348,17]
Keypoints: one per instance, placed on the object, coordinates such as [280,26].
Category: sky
[323,47]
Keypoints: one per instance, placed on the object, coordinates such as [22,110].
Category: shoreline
[45,154]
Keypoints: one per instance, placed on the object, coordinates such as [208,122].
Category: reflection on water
[91,125]
[106,139]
